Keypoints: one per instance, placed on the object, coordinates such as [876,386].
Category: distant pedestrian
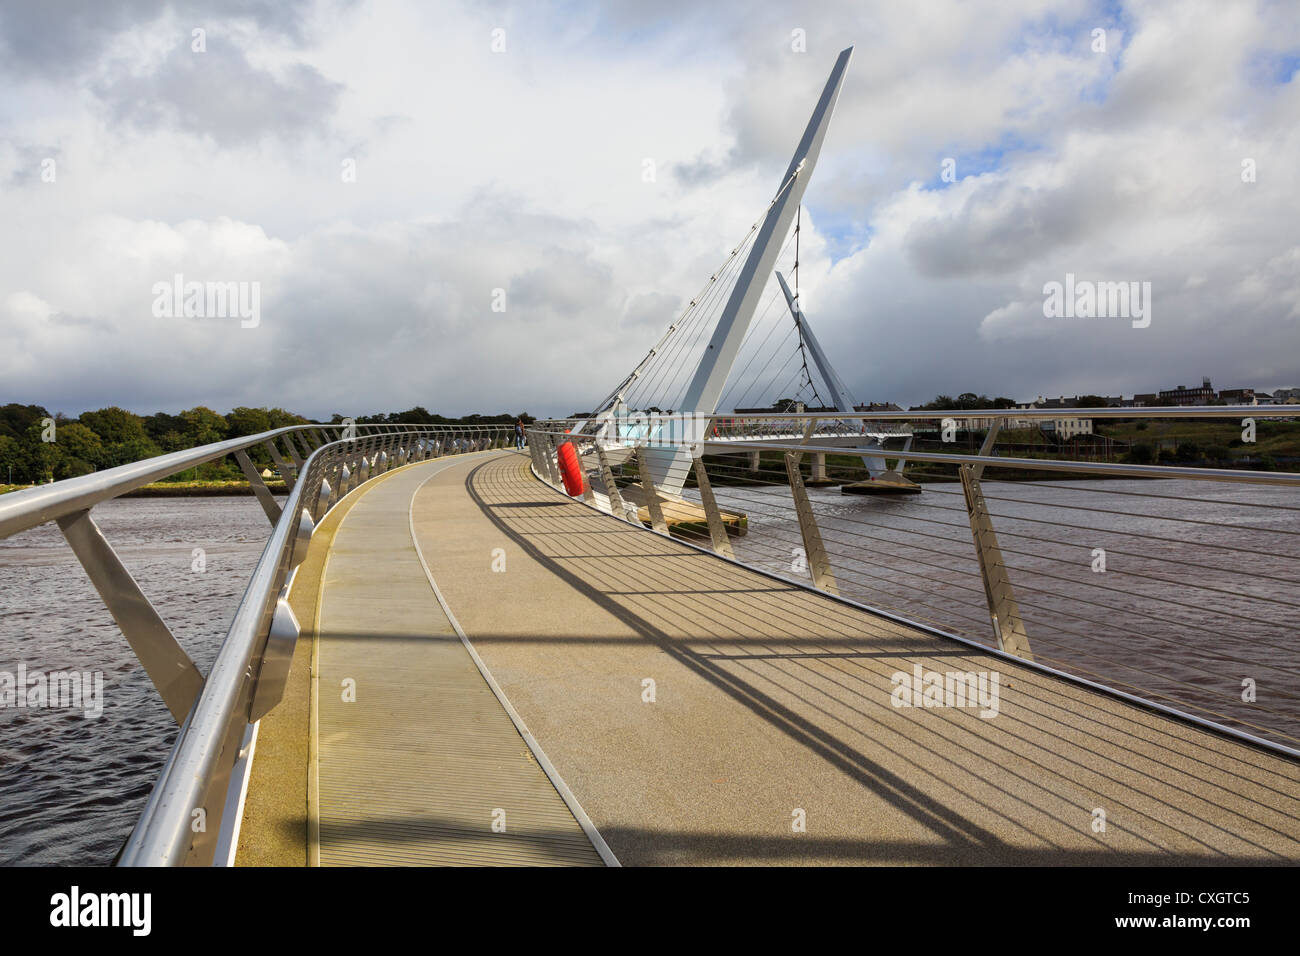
[519,435]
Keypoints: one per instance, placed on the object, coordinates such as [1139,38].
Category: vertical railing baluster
[616,507]
[717,530]
[1004,611]
[651,492]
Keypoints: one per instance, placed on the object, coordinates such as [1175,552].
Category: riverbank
[184,489]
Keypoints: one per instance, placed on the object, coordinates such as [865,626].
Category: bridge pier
[818,478]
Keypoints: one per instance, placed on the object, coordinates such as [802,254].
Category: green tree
[247,421]
[123,434]
[166,431]
[114,425]
[15,419]
[13,459]
[279,418]
[80,451]
[43,456]
[203,426]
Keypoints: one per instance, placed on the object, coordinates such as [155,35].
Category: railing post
[717,530]
[168,666]
[293,451]
[651,493]
[611,488]
[288,474]
[305,445]
[535,449]
[550,457]
[302,538]
[323,500]
[277,656]
[1004,612]
[263,493]
[818,563]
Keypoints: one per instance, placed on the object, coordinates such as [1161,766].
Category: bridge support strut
[1004,612]
[818,562]
[173,673]
[651,492]
[611,488]
[288,473]
[717,530]
[263,493]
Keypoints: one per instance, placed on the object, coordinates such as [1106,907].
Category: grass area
[1274,438]
[188,489]
[184,489]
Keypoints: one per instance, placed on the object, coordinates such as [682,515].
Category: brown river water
[1200,592]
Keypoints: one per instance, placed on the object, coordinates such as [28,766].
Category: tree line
[37,446]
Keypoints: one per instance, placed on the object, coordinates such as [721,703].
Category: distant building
[1238,396]
[1065,428]
[1285,396]
[1061,402]
[1144,399]
[1189,396]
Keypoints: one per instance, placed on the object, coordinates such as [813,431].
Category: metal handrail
[1155,411]
[1287,479]
[198,773]
[20,510]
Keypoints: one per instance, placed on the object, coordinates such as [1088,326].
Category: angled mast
[668,466]
[702,394]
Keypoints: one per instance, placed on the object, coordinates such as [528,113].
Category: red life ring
[571,470]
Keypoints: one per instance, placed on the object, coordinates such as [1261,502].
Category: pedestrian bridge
[502,639]
[443,658]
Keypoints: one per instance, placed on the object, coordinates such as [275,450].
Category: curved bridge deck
[700,712]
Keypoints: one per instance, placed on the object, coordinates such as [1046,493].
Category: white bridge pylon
[669,445]
[668,466]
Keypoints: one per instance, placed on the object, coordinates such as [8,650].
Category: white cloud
[523,171]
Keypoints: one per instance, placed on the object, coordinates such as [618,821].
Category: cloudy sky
[128,156]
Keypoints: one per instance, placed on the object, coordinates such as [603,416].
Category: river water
[72,785]
[1199,593]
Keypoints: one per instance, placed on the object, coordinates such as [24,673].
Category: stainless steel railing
[189,816]
[1176,585]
